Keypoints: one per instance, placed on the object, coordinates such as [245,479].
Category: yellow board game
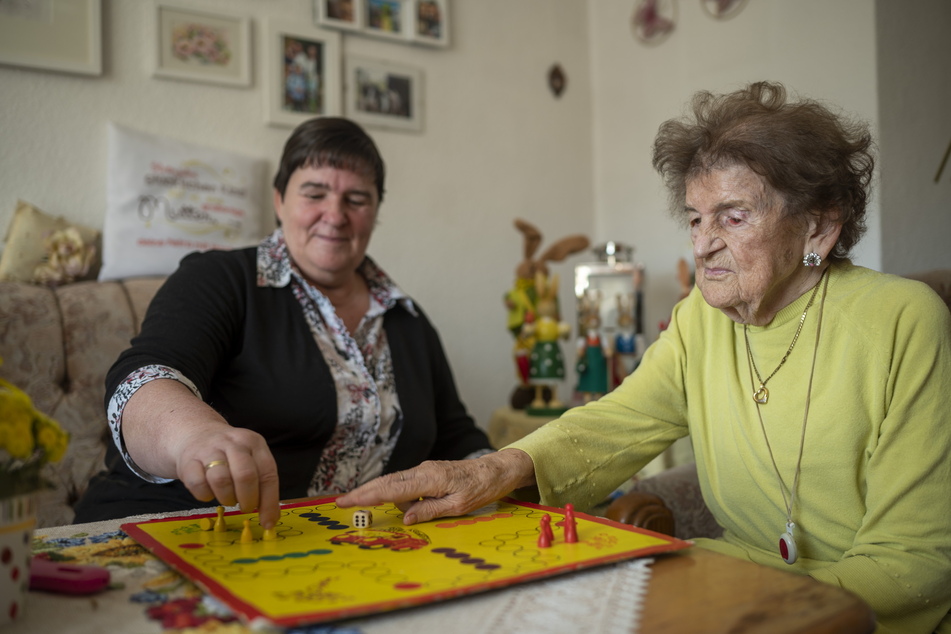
[324,563]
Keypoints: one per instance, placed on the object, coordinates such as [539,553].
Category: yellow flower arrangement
[29,439]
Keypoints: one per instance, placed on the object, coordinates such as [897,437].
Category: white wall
[914,70]
[817,48]
[497,145]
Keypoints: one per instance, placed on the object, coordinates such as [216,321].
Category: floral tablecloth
[146,596]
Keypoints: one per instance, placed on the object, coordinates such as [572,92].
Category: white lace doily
[606,599]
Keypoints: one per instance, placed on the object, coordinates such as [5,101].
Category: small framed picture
[301,73]
[430,22]
[62,37]
[387,19]
[384,95]
[198,45]
[339,14]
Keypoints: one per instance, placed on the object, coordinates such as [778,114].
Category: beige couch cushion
[25,249]
[57,345]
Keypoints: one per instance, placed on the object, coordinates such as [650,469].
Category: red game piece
[544,532]
[571,527]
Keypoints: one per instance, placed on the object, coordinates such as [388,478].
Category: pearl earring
[812,259]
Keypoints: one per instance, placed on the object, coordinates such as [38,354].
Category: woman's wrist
[515,467]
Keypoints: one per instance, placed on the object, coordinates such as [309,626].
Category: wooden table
[699,590]
[692,591]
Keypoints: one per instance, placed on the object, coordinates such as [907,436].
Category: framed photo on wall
[387,19]
[301,73]
[384,95]
[58,35]
[430,22]
[198,45]
[340,14]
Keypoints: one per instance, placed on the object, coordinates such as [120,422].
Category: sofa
[57,345]
[671,503]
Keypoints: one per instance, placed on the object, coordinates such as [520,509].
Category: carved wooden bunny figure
[521,300]
[546,362]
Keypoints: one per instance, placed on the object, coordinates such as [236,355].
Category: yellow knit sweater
[873,504]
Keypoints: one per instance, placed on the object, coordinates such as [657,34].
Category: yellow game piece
[246,534]
[206,523]
[220,524]
[270,535]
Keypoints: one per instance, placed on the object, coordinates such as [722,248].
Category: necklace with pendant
[787,541]
[761,394]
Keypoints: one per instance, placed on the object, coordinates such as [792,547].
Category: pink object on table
[66,578]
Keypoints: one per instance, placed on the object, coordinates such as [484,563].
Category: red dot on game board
[482,519]
[15,573]
[465,522]
[191,545]
[407,585]
[14,608]
[446,525]
[6,556]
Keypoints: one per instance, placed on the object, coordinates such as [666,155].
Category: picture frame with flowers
[204,46]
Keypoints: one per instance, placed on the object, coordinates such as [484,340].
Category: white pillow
[165,199]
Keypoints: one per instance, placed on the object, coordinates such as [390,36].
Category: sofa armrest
[643,510]
[678,492]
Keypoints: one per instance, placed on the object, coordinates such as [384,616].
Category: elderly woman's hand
[446,488]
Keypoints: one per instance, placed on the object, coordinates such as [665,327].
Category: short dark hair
[819,162]
[332,142]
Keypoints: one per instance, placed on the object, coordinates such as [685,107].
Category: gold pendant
[761,395]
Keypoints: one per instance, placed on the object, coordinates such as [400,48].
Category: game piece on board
[571,527]
[544,532]
[220,524]
[246,535]
[206,523]
[270,535]
[362,519]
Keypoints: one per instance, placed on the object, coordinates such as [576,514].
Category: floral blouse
[369,415]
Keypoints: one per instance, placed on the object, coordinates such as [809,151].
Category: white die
[362,519]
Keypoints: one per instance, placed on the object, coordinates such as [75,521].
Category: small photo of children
[385,15]
[340,10]
[303,71]
[384,93]
[429,19]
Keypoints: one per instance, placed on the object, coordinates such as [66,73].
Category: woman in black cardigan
[289,369]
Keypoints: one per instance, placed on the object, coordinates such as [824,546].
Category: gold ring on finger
[216,463]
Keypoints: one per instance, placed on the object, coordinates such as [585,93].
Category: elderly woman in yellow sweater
[814,391]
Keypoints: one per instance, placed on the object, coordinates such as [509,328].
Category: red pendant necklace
[787,541]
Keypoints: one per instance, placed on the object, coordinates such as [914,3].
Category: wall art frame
[387,19]
[293,51]
[384,95]
[346,15]
[654,20]
[194,44]
[57,35]
[422,22]
[430,22]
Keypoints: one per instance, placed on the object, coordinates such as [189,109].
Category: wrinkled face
[327,215]
[748,258]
